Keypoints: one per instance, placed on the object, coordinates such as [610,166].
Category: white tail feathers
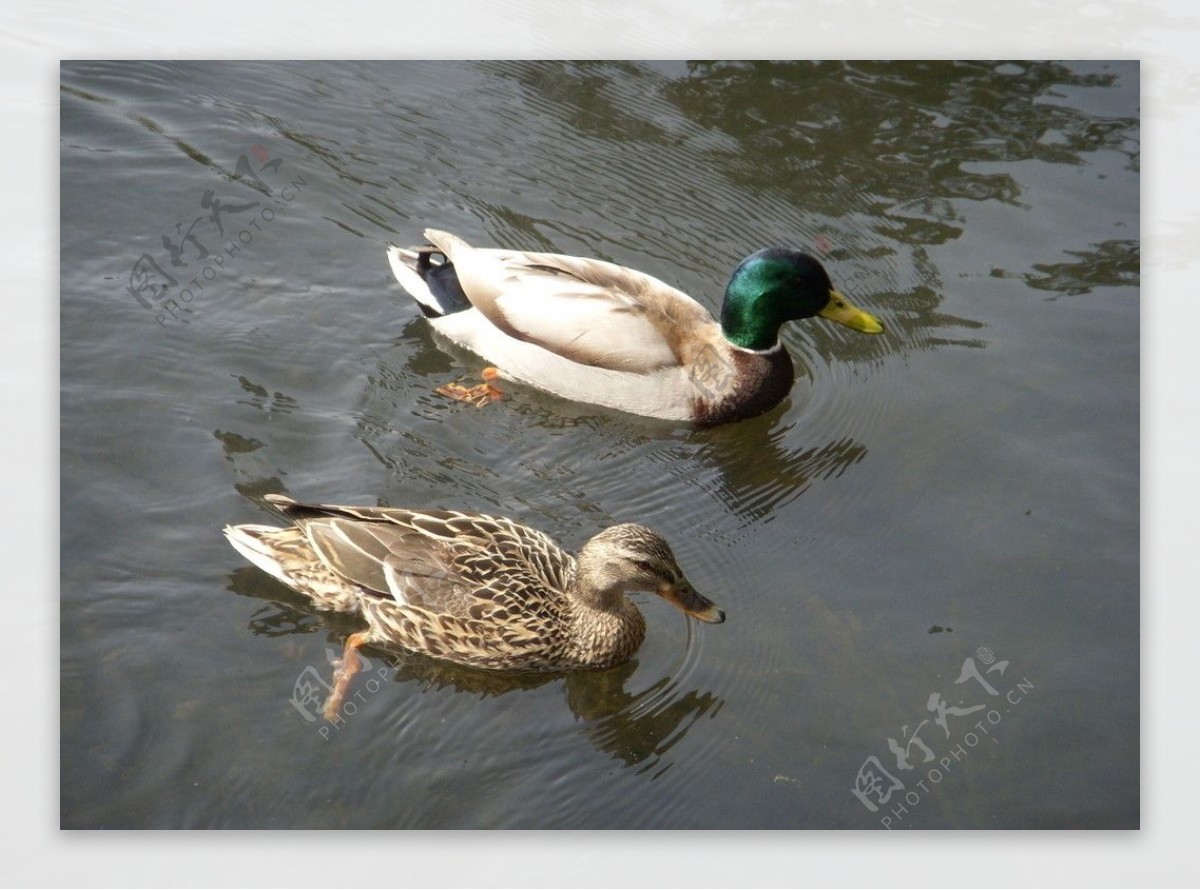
[247,540]
[404,267]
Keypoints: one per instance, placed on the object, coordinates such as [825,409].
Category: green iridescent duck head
[776,285]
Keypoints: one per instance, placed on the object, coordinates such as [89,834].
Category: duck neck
[606,627]
[749,319]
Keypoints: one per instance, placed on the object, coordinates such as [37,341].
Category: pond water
[928,554]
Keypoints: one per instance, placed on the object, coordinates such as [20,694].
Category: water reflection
[754,467]
[586,95]
[260,397]
[1108,264]
[636,728]
[757,472]
[252,478]
[871,122]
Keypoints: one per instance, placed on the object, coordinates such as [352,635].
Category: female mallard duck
[596,332]
[473,589]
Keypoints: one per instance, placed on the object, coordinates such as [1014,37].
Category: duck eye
[644,565]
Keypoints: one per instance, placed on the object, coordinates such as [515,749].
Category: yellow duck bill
[842,311]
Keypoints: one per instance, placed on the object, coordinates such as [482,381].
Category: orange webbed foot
[480,395]
[349,665]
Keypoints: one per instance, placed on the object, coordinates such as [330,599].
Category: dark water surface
[956,500]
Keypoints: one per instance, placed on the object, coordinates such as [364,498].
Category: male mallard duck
[473,589]
[596,332]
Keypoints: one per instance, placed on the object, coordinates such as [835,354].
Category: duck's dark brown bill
[685,598]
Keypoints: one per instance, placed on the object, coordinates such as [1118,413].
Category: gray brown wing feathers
[447,563]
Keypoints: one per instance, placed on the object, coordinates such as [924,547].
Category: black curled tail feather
[442,281]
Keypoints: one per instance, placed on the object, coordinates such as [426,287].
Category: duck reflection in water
[637,728]
[758,471]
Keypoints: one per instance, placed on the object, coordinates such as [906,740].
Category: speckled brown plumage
[478,590]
